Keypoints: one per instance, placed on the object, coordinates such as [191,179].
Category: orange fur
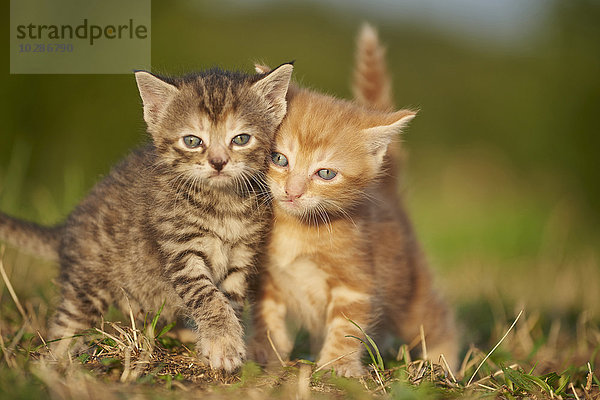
[372,88]
[342,248]
[372,84]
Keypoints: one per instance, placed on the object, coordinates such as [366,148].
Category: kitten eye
[241,140]
[279,159]
[326,174]
[192,141]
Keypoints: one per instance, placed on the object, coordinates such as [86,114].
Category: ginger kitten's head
[215,127]
[327,151]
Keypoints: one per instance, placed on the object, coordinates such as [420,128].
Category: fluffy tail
[372,84]
[35,239]
[372,88]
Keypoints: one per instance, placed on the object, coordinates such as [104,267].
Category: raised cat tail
[372,84]
[372,88]
[40,241]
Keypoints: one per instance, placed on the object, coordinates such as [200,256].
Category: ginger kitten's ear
[379,137]
[156,94]
[273,87]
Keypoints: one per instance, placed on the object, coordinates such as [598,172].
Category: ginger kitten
[341,248]
[372,88]
[181,219]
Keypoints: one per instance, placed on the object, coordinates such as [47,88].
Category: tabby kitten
[182,218]
[340,248]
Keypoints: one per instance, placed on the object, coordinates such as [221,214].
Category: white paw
[226,353]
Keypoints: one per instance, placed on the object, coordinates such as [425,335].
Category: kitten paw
[66,348]
[225,353]
[259,353]
[264,355]
[347,368]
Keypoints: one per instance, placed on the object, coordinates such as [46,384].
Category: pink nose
[292,195]
[295,187]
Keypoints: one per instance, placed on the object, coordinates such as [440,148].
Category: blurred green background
[502,175]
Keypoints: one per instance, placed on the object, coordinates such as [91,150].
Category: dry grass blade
[465,363]
[10,287]
[133,328]
[9,361]
[573,390]
[486,387]
[423,344]
[119,342]
[274,348]
[403,354]
[328,363]
[46,346]
[379,380]
[448,368]
[590,376]
[495,347]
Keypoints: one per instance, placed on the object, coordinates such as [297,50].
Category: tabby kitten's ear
[379,137]
[273,87]
[261,68]
[156,94]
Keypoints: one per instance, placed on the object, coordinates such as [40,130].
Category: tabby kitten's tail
[40,241]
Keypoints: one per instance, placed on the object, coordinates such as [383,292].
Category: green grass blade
[366,347]
[378,361]
[155,319]
[166,329]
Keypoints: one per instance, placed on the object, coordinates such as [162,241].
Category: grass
[147,359]
[501,252]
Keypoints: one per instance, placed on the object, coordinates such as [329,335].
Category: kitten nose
[292,195]
[217,163]
[295,187]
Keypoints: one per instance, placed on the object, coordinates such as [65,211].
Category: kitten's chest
[227,231]
[232,242]
[301,279]
[224,215]
[219,253]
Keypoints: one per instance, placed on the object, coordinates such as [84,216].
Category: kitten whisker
[341,211]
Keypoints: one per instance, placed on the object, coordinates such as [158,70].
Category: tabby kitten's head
[215,127]
[327,151]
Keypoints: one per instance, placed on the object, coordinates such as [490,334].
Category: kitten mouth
[218,175]
[219,178]
[289,204]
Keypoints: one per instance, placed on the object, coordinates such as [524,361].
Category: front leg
[269,320]
[339,352]
[220,334]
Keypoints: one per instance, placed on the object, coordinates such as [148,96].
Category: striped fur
[342,249]
[166,225]
[40,241]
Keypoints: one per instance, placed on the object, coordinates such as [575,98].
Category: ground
[538,358]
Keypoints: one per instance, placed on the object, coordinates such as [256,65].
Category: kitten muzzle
[217,163]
